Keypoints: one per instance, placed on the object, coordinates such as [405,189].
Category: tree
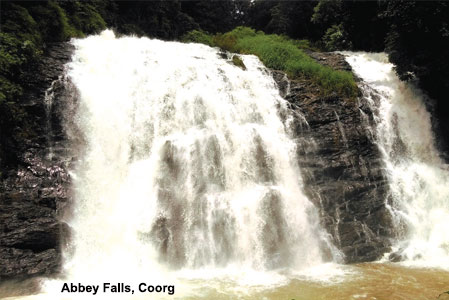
[357,21]
[216,16]
[290,18]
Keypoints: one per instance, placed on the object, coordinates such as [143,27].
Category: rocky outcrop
[341,165]
[34,192]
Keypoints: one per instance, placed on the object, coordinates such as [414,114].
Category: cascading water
[186,165]
[418,178]
[186,175]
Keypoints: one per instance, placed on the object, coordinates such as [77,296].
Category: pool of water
[361,281]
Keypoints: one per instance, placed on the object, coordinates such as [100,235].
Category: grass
[280,53]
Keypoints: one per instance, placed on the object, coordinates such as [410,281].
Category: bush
[305,44]
[16,19]
[335,38]
[83,17]
[26,28]
[198,36]
[17,58]
[225,41]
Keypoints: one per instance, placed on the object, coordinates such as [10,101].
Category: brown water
[380,281]
[374,281]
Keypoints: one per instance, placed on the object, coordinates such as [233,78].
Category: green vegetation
[26,30]
[236,60]
[335,38]
[198,36]
[280,53]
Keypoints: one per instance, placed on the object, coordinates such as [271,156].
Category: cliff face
[341,165]
[34,193]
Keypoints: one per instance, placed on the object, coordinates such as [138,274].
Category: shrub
[304,44]
[84,17]
[335,38]
[198,36]
[225,41]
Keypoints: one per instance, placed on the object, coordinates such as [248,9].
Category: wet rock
[282,82]
[237,61]
[31,202]
[396,257]
[23,263]
[341,165]
[35,190]
[331,59]
[27,226]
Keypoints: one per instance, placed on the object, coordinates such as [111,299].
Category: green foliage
[225,41]
[83,17]
[335,38]
[21,23]
[161,19]
[26,29]
[350,24]
[291,18]
[211,16]
[17,58]
[229,40]
[198,36]
[280,53]
[53,22]
[304,44]
[280,21]
[327,13]
[417,41]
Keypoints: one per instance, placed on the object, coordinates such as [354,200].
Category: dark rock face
[33,194]
[341,166]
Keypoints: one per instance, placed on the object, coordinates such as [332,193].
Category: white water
[418,179]
[187,170]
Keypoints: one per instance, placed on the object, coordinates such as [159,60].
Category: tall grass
[280,53]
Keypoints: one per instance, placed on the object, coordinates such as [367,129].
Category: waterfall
[418,178]
[185,164]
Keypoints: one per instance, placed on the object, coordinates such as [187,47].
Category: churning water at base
[418,178]
[185,165]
